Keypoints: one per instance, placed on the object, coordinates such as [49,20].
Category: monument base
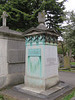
[54,91]
[10,80]
[40,83]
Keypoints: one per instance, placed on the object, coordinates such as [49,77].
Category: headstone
[41,70]
[12,56]
[67,62]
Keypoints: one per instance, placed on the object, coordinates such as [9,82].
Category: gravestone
[41,71]
[67,62]
[12,55]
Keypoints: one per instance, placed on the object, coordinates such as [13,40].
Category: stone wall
[3,61]
[16,60]
[12,57]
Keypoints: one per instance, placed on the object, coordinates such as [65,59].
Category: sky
[70,5]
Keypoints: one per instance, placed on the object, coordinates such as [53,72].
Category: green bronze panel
[34,52]
[34,63]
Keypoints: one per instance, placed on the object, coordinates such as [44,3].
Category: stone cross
[4,16]
[41,17]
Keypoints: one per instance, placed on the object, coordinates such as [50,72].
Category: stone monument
[12,55]
[41,67]
[67,61]
[41,71]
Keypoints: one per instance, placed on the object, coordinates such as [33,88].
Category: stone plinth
[12,57]
[41,66]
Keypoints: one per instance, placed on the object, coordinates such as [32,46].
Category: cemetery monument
[12,55]
[38,68]
[41,70]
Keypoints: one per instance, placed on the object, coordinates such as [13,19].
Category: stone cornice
[5,31]
[41,29]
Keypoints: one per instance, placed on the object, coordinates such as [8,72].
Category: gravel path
[68,77]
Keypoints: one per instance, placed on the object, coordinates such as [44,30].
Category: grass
[69,96]
[72,63]
[1,97]
[4,97]
[67,70]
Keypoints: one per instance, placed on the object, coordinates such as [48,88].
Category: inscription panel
[16,68]
[51,61]
[16,51]
[16,56]
[34,52]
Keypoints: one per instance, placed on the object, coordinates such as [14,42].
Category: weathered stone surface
[16,56]
[51,61]
[66,62]
[2,81]
[54,93]
[16,44]
[41,66]
[41,56]
[49,82]
[16,68]
[11,79]
[12,57]
[4,16]
[3,57]
[8,32]
[41,17]
[16,51]
[73,98]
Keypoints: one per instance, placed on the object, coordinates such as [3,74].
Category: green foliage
[54,14]
[23,13]
[72,63]
[68,97]
[70,31]
[60,50]
[3,1]
[1,97]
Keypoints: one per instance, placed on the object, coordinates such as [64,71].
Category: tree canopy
[23,13]
[70,31]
